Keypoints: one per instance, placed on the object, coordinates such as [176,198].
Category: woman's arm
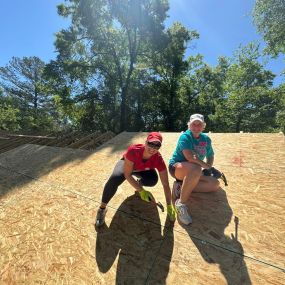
[128,170]
[193,158]
[210,160]
[165,183]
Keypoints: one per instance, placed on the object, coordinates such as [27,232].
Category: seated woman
[186,165]
[140,160]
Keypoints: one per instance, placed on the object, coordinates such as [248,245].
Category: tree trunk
[238,125]
[123,110]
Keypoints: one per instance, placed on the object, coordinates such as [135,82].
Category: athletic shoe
[182,213]
[100,218]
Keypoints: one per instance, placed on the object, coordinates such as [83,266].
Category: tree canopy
[118,67]
[25,94]
[269,18]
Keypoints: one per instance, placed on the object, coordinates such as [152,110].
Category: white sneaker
[100,218]
[176,189]
[182,213]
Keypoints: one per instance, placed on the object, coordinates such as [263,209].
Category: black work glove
[207,172]
[212,172]
[215,173]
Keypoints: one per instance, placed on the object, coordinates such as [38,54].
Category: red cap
[154,137]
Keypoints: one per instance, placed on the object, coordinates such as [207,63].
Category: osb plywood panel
[48,202]
[48,237]
[63,166]
[192,261]
[11,185]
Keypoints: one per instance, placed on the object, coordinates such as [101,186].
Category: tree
[9,116]
[61,85]
[169,67]
[269,18]
[250,103]
[106,41]
[280,116]
[22,78]
[251,110]
[22,81]
[201,90]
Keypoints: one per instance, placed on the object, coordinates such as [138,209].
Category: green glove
[171,212]
[146,196]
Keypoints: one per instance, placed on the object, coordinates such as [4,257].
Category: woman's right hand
[146,195]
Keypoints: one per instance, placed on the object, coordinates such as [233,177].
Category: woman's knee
[184,169]
[215,185]
[194,170]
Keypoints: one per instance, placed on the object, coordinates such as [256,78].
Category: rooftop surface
[49,198]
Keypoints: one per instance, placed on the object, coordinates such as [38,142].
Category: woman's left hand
[171,212]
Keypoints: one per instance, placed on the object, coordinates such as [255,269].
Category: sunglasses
[154,145]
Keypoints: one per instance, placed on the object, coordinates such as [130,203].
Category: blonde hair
[189,125]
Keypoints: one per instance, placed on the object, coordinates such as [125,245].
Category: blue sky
[28,28]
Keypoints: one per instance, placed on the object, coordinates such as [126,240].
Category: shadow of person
[211,214]
[135,236]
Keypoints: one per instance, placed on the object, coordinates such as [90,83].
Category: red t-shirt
[134,153]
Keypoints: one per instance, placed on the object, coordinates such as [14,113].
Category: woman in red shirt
[140,160]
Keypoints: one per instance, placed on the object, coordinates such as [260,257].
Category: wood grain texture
[49,197]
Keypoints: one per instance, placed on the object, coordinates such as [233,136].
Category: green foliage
[22,78]
[22,82]
[202,90]
[280,116]
[9,116]
[269,17]
[118,68]
[250,110]
[60,85]
[169,67]
[104,45]
[248,104]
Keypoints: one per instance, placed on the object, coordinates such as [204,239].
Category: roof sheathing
[49,197]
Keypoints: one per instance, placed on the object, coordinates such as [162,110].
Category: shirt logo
[200,150]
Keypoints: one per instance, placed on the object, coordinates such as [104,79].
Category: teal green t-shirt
[201,146]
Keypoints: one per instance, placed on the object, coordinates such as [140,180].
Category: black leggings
[147,178]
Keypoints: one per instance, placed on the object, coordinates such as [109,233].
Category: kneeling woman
[140,160]
[186,166]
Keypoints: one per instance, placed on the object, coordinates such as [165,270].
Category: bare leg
[190,174]
[207,184]
[193,181]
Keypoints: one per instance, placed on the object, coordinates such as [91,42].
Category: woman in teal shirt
[187,163]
